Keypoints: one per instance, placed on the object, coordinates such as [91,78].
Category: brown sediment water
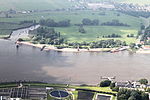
[29,63]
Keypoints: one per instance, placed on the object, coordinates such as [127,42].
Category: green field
[51,4]
[93,33]
[34,4]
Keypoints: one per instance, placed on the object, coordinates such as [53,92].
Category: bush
[115,89]
[143,81]
[148,90]
[112,85]
[20,39]
[105,83]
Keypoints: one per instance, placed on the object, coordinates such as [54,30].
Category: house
[131,84]
[126,84]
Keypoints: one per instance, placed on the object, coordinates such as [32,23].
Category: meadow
[34,4]
[52,4]
[93,33]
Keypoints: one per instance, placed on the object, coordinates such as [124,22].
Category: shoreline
[143,51]
[51,47]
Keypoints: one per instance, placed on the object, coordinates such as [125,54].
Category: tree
[122,97]
[136,94]
[148,90]
[143,81]
[112,85]
[86,21]
[145,96]
[115,89]
[95,22]
[81,29]
[132,45]
[105,83]
[132,98]
[142,27]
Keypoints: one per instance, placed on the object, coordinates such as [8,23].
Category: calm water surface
[28,63]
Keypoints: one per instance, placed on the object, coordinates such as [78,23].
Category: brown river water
[28,63]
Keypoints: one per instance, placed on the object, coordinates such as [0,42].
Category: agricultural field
[140,2]
[52,4]
[32,4]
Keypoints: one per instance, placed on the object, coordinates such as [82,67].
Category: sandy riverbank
[143,51]
[51,47]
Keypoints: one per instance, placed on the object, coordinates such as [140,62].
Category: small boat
[17,46]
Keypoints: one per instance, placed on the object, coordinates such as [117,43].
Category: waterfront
[29,63]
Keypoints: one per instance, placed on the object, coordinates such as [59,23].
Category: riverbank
[143,51]
[3,36]
[52,47]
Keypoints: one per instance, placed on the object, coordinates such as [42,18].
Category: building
[23,93]
[124,84]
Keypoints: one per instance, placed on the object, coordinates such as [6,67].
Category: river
[29,63]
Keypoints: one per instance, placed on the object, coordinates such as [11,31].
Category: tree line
[128,94]
[112,36]
[114,23]
[53,23]
[110,43]
[28,22]
[96,22]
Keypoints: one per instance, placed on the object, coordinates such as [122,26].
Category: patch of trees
[137,13]
[105,83]
[128,94]
[132,45]
[112,36]
[108,83]
[110,43]
[46,35]
[143,81]
[52,23]
[87,21]
[28,22]
[114,23]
